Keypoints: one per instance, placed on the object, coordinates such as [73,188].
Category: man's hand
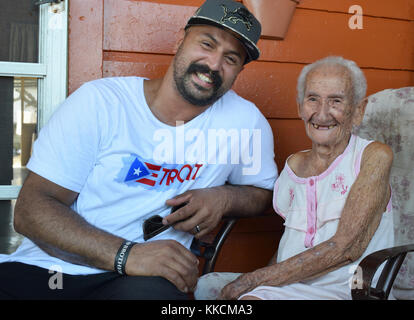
[167,259]
[203,208]
[206,207]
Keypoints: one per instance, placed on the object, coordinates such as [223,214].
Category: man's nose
[215,61]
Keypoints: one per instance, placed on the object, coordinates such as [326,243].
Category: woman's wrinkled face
[327,107]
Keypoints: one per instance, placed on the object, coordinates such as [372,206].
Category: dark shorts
[22,281]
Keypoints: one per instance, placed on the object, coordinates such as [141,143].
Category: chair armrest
[211,250]
[394,258]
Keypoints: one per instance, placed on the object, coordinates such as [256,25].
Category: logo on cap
[240,14]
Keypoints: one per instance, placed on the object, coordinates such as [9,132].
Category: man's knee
[141,288]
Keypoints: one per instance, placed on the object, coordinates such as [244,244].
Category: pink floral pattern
[291,196]
[389,118]
[339,185]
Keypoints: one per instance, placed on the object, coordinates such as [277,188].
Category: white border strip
[22,69]
[9,192]
[53,52]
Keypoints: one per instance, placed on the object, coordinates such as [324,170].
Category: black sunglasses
[153,225]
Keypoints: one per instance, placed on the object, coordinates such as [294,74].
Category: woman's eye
[206,44]
[336,102]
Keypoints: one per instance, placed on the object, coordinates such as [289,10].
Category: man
[121,150]
[335,198]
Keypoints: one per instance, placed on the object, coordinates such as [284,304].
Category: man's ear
[179,40]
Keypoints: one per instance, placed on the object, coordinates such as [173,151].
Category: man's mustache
[214,75]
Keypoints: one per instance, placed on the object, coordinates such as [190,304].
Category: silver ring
[197,227]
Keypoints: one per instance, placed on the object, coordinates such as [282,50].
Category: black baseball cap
[234,16]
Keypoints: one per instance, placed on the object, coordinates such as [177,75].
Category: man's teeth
[323,127]
[204,77]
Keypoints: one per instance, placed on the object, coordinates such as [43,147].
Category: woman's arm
[360,219]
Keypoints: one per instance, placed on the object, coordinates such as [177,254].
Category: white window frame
[51,70]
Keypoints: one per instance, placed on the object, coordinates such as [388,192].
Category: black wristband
[122,256]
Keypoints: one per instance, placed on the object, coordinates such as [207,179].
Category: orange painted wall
[131,37]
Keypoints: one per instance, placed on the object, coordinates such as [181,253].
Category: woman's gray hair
[359,82]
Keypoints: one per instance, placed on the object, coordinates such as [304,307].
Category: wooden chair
[209,251]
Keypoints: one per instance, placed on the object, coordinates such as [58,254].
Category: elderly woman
[335,198]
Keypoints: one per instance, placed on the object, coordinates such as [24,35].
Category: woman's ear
[298,109]
[359,112]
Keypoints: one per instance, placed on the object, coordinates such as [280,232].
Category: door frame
[51,71]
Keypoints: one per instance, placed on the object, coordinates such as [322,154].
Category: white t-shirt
[105,144]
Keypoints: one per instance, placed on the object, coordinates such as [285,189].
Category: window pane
[18,122]
[19,31]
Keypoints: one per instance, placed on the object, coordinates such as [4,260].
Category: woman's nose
[323,110]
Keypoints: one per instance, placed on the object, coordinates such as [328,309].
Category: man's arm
[360,218]
[43,214]
[206,207]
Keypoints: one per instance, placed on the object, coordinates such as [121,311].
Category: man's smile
[204,77]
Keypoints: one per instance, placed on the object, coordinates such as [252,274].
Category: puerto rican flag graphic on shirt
[140,172]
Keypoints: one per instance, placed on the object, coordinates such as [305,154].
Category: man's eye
[231,60]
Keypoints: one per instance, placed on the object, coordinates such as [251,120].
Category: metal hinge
[38,3]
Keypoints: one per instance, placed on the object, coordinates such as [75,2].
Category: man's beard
[195,96]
